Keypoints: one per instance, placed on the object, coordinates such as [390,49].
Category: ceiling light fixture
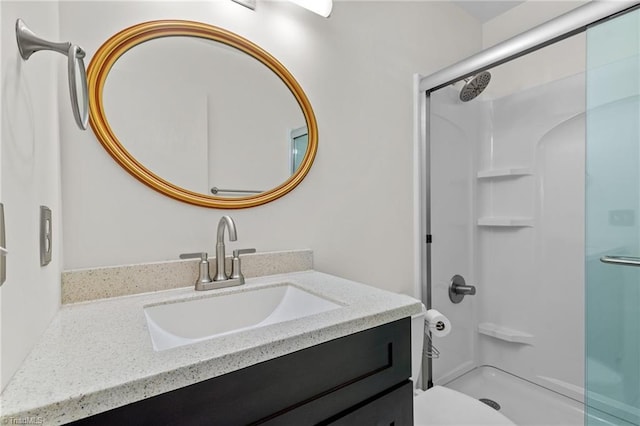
[321,7]
[251,4]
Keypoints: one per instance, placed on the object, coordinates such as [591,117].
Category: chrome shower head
[474,85]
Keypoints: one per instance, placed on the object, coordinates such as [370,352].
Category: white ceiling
[485,10]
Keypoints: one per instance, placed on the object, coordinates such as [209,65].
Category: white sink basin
[189,321]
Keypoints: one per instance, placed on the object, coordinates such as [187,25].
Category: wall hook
[29,43]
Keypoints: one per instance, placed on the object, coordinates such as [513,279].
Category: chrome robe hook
[29,43]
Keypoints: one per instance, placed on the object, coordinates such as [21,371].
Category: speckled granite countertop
[98,355]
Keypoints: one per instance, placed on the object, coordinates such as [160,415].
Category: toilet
[442,406]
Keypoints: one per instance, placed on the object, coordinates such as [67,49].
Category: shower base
[526,403]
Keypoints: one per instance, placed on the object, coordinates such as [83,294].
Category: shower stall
[530,189]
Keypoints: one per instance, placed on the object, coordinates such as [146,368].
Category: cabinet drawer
[394,408]
[304,387]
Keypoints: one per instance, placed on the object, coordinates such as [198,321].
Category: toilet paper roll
[438,324]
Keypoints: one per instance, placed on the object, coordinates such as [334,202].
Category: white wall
[355,207]
[30,178]
[558,60]
[524,17]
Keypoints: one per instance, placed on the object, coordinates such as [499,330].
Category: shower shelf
[509,172]
[504,333]
[514,222]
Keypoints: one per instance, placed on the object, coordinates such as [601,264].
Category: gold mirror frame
[128,38]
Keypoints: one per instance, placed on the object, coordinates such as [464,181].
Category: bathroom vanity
[97,364]
[350,380]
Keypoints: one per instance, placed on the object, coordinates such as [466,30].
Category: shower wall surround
[534,276]
[522,241]
[454,134]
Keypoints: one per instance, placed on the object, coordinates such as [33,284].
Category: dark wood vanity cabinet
[360,379]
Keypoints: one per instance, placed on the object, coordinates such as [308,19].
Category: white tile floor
[526,403]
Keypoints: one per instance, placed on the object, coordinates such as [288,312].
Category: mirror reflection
[205,116]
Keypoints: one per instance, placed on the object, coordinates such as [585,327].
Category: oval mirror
[201,114]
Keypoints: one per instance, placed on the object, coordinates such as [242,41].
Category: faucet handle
[238,252]
[202,256]
[204,277]
[236,271]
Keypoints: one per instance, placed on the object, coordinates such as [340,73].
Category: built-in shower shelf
[500,173]
[505,333]
[507,221]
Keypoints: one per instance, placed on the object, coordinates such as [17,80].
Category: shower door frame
[560,28]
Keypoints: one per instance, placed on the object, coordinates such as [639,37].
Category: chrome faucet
[221,279]
[225,222]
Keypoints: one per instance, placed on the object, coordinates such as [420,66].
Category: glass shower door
[612,388]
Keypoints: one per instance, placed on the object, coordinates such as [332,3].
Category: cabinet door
[392,409]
